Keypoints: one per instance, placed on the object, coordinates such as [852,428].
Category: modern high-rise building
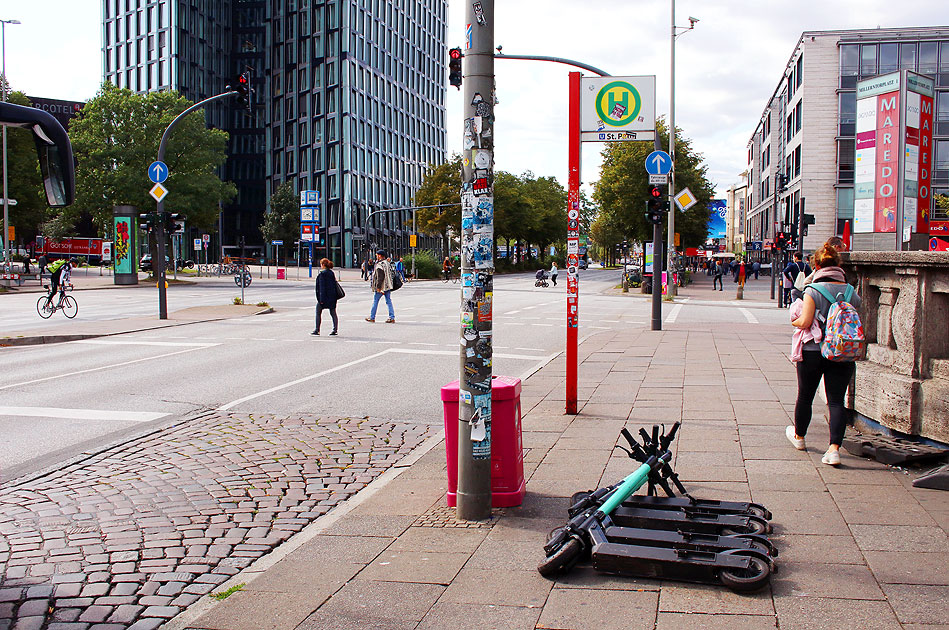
[349,100]
[806,136]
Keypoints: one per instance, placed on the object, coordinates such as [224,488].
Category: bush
[427,264]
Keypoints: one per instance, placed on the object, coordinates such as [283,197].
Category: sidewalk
[859,546]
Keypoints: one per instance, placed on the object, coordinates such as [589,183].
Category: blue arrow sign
[658,163]
[157,172]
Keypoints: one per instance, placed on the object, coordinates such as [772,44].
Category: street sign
[10,202]
[158,192]
[413,240]
[157,172]
[309,197]
[618,108]
[685,199]
[198,243]
[658,163]
[309,213]
[206,238]
[106,251]
[307,232]
[276,242]
[659,180]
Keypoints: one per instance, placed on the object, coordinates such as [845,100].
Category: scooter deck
[698,541]
[700,505]
[682,520]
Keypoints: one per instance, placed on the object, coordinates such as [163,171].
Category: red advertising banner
[940,228]
[73,247]
[887,162]
[924,193]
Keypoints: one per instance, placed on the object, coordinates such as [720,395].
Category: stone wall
[904,381]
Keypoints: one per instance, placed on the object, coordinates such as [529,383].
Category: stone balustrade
[904,382]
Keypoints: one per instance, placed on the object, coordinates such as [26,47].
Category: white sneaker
[797,442]
[831,458]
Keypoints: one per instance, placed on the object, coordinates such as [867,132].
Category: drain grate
[893,451]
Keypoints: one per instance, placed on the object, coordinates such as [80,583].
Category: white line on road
[751,318]
[450,353]
[673,314]
[116,342]
[83,414]
[106,367]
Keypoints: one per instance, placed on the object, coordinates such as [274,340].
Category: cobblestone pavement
[132,535]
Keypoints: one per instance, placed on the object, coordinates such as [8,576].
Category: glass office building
[806,133]
[349,100]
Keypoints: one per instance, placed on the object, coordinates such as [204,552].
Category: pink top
[801,336]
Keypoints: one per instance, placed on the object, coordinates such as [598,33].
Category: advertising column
[917,154]
[124,232]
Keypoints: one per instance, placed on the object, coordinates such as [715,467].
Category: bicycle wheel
[70,307]
[44,306]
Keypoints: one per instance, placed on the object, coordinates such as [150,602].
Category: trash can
[281,274]
[507,453]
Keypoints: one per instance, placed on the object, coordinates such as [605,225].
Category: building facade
[348,99]
[801,156]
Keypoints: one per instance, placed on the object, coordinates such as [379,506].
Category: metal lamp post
[670,247]
[6,192]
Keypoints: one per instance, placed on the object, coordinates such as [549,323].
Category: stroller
[541,278]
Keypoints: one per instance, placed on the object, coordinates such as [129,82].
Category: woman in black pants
[326,295]
[813,366]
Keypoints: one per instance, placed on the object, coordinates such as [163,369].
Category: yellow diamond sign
[158,192]
[685,199]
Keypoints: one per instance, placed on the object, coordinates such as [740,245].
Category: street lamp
[670,247]
[6,195]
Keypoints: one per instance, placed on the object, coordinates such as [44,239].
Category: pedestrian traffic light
[454,67]
[780,240]
[146,222]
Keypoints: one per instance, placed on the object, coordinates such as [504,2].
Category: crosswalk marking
[83,414]
[751,318]
[673,314]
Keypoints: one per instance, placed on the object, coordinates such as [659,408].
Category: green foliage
[621,192]
[225,594]
[442,185]
[427,264]
[116,137]
[282,221]
[24,181]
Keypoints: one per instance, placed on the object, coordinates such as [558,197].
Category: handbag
[340,294]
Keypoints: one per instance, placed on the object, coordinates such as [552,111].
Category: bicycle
[66,303]
[450,276]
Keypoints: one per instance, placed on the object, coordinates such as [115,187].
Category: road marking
[751,318]
[511,312]
[451,353]
[116,342]
[83,414]
[106,367]
[421,343]
[673,314]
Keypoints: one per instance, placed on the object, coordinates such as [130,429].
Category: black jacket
[326,288]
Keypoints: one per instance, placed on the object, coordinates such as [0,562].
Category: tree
[282,221]
[442,185]
[621,190]
[548,210]
[24,181]
[116,137]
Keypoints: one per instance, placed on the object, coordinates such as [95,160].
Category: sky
[726,68]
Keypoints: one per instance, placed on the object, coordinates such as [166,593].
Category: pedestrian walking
[42,262]
[382,286]
[741,274]
[553,272]
[756,268]
[364,269]
[791,273]
[327,293]
[717,272]
[813,366]
[400,268]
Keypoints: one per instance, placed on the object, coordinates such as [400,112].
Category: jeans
[553,277]
[375,304]
[319,316]
[717,279]
[837,377]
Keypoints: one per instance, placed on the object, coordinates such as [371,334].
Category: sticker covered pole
[573,241]
[477,265]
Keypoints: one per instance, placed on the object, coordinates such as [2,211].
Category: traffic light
[242,87]
[656,205]
[171,222]
[146,222]
[454,67]
[780,240]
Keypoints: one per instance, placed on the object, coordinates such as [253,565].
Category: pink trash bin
[507,453]
[281,274]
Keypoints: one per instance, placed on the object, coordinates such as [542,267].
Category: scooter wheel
[755,525]
[746,580]
[562,560]
[579,496]
[760,512]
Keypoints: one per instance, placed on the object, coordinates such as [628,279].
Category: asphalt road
[59,401]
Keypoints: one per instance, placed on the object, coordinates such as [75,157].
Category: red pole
[573,239]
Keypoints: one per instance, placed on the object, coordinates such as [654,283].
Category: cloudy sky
[725,69]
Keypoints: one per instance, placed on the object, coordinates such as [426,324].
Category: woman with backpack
[828,296]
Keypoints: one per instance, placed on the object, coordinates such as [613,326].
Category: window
[942,114]
[868,60]
[847,113]
[942,78]
[800,70]
[849,65]
[845,161]
[908,56]
[798,115]
[797,161]
[889,58]
[927,57]
[941,162]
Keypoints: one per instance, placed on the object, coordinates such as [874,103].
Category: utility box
[281,274]
[507,453]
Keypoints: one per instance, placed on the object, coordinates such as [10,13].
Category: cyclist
[59,274]
[446,269]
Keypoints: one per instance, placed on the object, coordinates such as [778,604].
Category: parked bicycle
[46,305]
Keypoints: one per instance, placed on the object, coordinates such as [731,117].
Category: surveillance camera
[693,20]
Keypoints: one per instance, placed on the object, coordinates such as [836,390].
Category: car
[583,263]
[145,264]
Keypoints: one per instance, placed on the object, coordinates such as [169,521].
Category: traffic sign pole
[573,233]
